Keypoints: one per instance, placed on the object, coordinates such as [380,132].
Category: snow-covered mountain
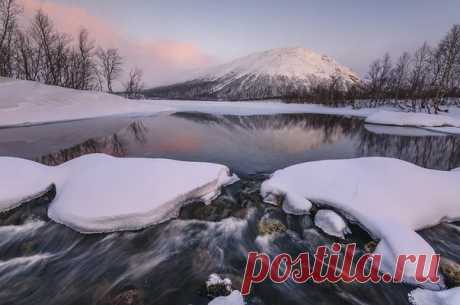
[269,74]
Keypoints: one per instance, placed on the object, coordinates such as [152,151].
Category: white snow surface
[299,63]
[428,297]
[331,223]
[445,130]
[20,181]
[412,119]
[406,131]
[235,298]
[29,103]
[99,193]
[389,197]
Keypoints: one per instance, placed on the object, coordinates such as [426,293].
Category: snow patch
[98,193]
[215,280]
[406,131]
[445,130]
[296,205]
[427,297]
[384,117]
[389,197]
[235,298]
[331,223]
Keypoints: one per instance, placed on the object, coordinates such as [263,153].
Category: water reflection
[264,143]
[168,263]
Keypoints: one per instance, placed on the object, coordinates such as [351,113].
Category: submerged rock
[451,270]
[370,247]
[269,226]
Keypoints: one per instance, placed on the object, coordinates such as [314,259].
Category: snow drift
[389,197]
[99,193]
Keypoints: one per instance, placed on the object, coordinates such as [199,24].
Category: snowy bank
[396,118]
[389,197]
[29,103]
[99,193]
[427,297]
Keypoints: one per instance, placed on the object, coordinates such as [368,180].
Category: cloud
[163,61]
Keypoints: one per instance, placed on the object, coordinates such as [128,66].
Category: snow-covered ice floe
[427,297]
[407,131]
[384,117]
[445,130]
[98,193]
[234,298]
[21,181]
[388,197]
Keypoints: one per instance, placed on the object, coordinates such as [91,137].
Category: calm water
[45,263]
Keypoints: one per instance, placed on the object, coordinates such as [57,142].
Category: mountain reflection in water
[262,143]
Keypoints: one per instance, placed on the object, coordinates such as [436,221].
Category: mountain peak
[294,62]
[268,74]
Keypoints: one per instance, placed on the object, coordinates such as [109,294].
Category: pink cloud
[161,61]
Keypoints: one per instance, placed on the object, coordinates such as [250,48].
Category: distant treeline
[420,81]
[39,52]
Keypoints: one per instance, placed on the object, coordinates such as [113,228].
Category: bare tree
[399,76]
[111,65]
[378,79]
[85,60]
[447,55]
[54,47]
[9,11]
[134,85]
[419,75]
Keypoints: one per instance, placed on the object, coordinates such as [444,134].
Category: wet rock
[306,222]
[269,226]
[451,270]
[370,246]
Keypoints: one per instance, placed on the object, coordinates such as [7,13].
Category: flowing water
[42,262]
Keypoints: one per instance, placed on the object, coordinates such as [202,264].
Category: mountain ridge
[268,74]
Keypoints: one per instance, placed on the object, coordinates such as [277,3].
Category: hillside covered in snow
[269,74]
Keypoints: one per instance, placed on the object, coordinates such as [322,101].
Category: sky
[169,39]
